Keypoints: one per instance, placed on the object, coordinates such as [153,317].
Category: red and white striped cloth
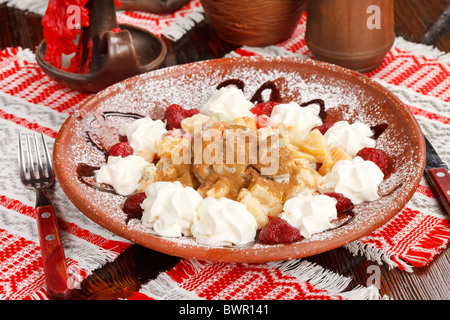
[31,101]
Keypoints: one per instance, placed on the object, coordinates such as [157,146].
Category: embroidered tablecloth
[32,102]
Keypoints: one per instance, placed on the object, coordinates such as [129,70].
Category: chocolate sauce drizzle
[85,171]
[321,103]
[105,115]
[232,82]
[344,217]
[274,93]
[378,130]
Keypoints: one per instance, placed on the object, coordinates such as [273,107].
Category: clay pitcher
[356,34]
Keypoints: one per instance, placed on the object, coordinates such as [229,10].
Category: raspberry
[378,156]
[264,108]
[324,127]
[343,202]
[278,230]
[132,205]
[175,114]
[121,149]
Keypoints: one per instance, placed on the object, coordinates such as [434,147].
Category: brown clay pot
[355,34]
[254,23]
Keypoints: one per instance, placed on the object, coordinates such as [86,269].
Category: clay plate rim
[259,252]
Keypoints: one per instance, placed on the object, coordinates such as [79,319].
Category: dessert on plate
[234,171]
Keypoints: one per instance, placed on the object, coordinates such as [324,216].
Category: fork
[36,172]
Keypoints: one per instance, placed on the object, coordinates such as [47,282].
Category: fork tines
[35,167]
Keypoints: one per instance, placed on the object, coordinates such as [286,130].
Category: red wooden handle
[53,258]
[439,178]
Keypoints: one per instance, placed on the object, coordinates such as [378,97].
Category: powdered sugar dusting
[347,97]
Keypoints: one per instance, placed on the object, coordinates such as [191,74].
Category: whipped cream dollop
[310,213]
[356,179]
[223,222]
[351,137]
[301,119]
[143,134]
[170,208]
[227,104]
[123,174]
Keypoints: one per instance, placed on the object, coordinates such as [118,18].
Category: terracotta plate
[347,95]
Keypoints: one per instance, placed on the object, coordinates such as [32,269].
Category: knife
[436,172]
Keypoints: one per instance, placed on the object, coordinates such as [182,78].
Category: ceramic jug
[356,34]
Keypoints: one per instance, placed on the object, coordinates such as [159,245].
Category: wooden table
[414,20]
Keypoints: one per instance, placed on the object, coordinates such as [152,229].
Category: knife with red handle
[436,172]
